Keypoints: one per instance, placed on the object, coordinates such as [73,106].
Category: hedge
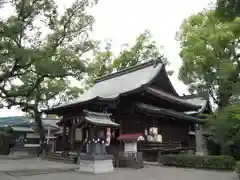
[238,169]
[204,162]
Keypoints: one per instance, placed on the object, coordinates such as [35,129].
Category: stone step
[60,155]
[59,159]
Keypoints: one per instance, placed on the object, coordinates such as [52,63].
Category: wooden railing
[157,146]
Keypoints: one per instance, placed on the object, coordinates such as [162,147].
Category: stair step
[67,158]
[60,160]
[70,159]
[59,155]
[57,160]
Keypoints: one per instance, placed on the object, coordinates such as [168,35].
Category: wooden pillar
[64,137]
[121,126]
[84,136]
[72,138]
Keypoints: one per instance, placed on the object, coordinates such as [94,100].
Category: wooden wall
[171,130]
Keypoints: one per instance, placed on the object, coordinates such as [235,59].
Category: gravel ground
[147,173]
[34,164]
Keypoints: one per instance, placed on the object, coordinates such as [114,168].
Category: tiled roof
[201,102]
[24,122]
[158,110]
[99,119]
[22,129]
[117,84]
[13,120]
[174,99]
[130,80]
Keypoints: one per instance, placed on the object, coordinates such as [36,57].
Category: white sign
[130,146]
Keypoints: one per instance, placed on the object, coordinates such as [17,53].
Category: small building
[24,131]
[130,142]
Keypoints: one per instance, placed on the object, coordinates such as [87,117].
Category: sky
[121,21]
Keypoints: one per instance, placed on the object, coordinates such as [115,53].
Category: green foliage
[52,116]
[228,9]
[40,48]
[238,169]
[101,65]
[210,56]
[203,162]
[7,132]
[143,50]
[224,128]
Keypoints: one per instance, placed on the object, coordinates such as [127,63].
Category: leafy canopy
[228,9]
[40,49]
[144,49]
[225,128]
[210,56]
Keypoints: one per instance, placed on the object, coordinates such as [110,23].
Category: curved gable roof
[114,85]
[130,80]
[172,98]
[204,103]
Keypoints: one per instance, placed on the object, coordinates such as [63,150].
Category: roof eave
[191,106]
[185,117]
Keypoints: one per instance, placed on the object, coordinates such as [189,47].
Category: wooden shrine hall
[141,99]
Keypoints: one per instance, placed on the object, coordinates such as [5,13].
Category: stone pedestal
[18,153]
[18,150]
[96,164]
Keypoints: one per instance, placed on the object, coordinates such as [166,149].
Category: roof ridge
[128,70]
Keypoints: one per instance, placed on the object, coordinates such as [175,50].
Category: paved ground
[148,173]
[34,164]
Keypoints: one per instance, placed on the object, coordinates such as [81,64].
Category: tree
[210,57]
[228,9]
[143,50]
[224,128]
[39,50]
[101,65]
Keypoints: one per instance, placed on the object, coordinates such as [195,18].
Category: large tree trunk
[222,150]
[38,120]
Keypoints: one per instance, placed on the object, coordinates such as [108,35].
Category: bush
[238,169]
[204,162]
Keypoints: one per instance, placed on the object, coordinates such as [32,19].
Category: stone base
[18,153]
[96,164]
[21,153]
